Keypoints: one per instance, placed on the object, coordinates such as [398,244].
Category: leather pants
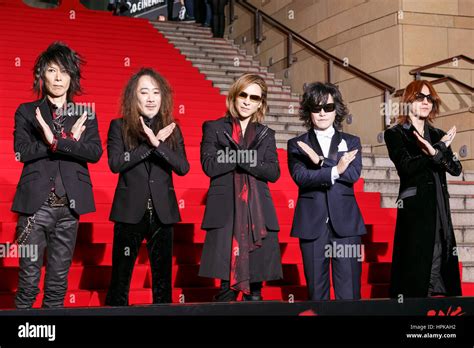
[54,230]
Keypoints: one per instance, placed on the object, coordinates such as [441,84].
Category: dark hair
[133,132]
[67,59]
[317,93]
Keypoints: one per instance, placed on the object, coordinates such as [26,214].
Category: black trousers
[218,17]
[346,270]
[54,230]
[127,241]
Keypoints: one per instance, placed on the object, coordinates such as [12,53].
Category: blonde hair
[238,86]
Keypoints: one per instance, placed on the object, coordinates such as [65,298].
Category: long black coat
[417,212]
[40,164]
[135,185]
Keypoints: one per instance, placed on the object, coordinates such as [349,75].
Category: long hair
[318,93]
[133,132]
[238,86]
[409,96]
[67,59]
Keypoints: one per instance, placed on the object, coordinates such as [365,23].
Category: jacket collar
[228,125]
[336,139]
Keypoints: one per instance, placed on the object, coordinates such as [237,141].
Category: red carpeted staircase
[114,48]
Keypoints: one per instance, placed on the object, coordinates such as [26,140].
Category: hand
[345,160]
[48,134]
[165,132]
[449,137]
[79,127]
[425,145]
[232,142]
[149,133]
[309,152]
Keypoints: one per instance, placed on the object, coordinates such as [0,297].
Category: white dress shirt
[324,139]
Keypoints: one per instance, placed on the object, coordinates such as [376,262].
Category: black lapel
[71,118]
[434,135]
[228,124]
[408,129]
[45,113]
[314,142]
[336,139]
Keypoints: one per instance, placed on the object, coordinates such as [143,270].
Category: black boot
[255,292]
[225,294]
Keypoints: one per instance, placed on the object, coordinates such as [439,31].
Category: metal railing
[293,37]
[420,72]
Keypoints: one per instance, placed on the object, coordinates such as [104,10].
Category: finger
[350,160]
[84,117]
[80,121]
[170,126]
[302,145]
[352,153]
[39,117]
[167,130]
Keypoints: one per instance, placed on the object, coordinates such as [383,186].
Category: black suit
[219,213]
[131,185]
[50,226]
[327,214]
[39,172]
[144,206]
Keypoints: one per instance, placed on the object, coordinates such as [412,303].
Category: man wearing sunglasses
[325,163]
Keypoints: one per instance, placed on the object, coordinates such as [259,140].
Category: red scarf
[249,222]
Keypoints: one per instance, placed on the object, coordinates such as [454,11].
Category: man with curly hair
[325,163]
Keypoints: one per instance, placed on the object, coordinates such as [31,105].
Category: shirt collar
[328,133]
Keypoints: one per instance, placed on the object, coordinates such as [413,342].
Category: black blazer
[220,197]
[133,186]
[318,198]
[39,170]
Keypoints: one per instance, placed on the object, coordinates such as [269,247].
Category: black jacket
[417,212]
[318,198]
[220,197]
[135,184]
[39,170]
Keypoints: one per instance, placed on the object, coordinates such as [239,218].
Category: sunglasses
[326,107]
[420,97]
[253,97]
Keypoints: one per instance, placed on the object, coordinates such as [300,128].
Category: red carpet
[114,48]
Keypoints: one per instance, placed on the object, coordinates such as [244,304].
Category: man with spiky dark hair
[55,142]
